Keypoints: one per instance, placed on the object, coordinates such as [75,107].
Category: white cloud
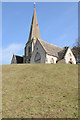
[6,53]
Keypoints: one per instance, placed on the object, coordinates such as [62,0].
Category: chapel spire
[34,30]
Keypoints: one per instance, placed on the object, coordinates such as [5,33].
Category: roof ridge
[51,44]
[50,49]
[18,55]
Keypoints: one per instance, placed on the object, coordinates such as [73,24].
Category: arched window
[29,50]
[29,54]
[37,58]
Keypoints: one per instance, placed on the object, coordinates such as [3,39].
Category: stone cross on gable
[34,3]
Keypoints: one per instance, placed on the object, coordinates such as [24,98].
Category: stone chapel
[38,51]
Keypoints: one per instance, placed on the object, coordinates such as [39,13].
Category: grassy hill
[40,91]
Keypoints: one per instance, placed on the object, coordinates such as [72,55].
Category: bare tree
[76,49]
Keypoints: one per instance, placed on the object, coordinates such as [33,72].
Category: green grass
[0,92]
[40,91]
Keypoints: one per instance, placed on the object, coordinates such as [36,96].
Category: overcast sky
[58,24]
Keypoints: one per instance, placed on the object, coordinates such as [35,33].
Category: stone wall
[13,61]
[50,59]
[69,57]
[38,49]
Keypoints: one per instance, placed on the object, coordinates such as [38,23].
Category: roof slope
[62,53]
[19,59]
[34,30]
[50,48]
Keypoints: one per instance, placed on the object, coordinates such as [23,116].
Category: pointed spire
[34,30]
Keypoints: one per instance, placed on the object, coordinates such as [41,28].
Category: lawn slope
[40,91]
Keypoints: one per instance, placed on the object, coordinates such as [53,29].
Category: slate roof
[19,59]
[50,48]
[62,53]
